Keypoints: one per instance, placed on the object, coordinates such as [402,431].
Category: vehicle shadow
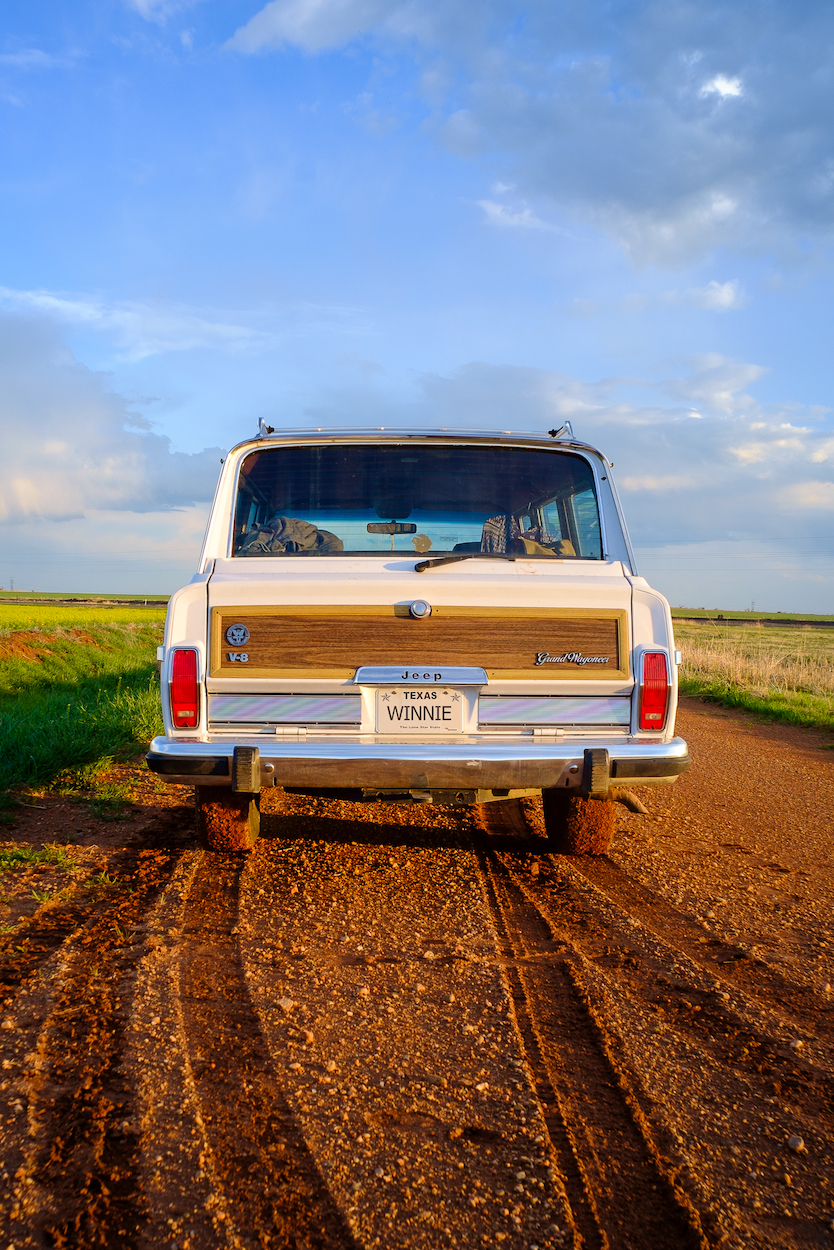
[377,825]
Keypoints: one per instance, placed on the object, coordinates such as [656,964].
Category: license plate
[415,710]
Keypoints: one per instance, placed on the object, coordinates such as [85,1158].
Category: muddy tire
[577,826]
[226,820]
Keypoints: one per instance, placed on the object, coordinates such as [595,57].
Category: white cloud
[105,552]
[314,25]
[648,482]
[33,58]
[776,449]
[722,86]
[140,329]
[683,478]
[751,453]
[721,296]
[616,123]
[823,453]
[714,297]
[583,308]
[68,444]
[503,215]
[159,10]
[717,383]
[669,233]
[813,496]
[80,474]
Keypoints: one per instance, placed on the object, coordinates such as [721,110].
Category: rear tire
[577,826]
[227,821]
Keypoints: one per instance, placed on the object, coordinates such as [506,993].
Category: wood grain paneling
[334,642]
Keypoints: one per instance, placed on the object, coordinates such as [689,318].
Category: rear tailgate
[555,644]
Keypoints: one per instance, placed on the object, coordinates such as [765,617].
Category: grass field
[64,596]
[76,685]
[785,674]
[47,616]
[711,614]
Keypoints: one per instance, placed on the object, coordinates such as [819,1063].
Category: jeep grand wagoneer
[407,615]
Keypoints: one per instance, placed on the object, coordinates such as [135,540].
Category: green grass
[785,675]
[77,686]
[111,799]
[49,616]
[27,856]
[710,614]
[83,778]
[793,708]
[42,734]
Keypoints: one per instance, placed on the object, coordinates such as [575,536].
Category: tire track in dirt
[620,1190]
[730,1036]
[24,952]
[77,1180]
[745,1041]
[797,1003]
[269,1186]
[33,942]
[721,1050]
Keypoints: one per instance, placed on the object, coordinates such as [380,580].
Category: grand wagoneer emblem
[237,635]
[571,657]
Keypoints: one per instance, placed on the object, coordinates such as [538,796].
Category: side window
[552,520]
[586,524]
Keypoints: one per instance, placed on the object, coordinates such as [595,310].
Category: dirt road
[418,1028]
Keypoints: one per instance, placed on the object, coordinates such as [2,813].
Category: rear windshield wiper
[422,565]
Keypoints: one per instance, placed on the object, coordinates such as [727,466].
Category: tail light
[185,693]
[654,692]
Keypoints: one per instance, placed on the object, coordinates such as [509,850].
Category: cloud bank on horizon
[69,445]
[498,213]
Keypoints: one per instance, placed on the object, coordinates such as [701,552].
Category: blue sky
[486,213]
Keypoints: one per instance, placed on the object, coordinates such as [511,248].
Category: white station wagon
[421,616]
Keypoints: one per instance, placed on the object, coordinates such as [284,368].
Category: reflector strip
[553,710]
[277,709]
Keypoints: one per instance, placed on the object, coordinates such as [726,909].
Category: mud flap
[596,774]
[246,770]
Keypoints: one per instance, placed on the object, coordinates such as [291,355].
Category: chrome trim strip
[467,746]
[419,675]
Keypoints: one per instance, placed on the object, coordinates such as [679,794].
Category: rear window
[378,498]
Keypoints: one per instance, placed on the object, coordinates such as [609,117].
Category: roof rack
[564,431]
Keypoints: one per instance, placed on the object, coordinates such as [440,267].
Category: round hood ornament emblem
[420,609]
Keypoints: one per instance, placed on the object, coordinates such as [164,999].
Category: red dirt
[32,645]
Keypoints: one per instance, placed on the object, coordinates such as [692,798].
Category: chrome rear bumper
[471,763]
